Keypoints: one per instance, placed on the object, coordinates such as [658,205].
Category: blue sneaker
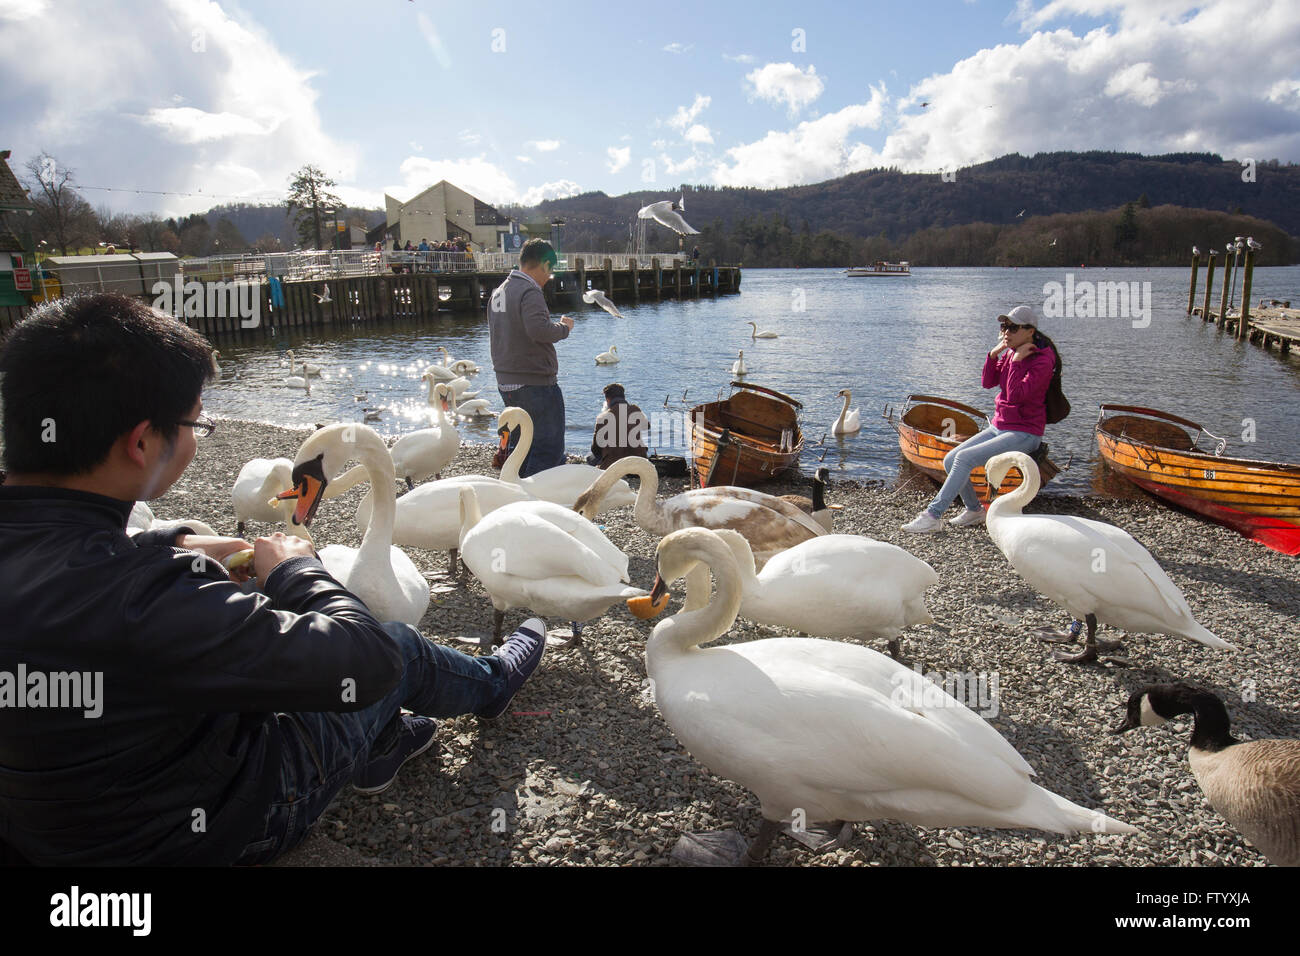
[413,739]
[521,653]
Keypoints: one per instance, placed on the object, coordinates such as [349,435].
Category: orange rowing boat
[1161,453]
[930,427]
[746,439]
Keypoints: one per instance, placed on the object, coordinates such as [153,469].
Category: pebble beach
[584,771]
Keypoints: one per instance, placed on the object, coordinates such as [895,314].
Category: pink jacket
[1021,403]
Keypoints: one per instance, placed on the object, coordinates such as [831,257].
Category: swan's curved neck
[439,416]
[470,512]
[510,470]
[647,511]
[1014,501]
[688,629]
[844,412]
[697,579]
[378,464]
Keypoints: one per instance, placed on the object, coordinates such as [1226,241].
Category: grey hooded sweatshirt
[522,333]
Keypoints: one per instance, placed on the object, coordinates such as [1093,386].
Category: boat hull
[745,440]
[1157,452]
[934,426]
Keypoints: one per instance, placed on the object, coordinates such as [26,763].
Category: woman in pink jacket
[1021,363]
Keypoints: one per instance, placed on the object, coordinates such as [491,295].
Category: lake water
[881,338]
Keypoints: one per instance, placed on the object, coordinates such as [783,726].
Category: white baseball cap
[1021,315]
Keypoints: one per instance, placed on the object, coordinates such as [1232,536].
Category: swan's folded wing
[570,522]
[515,542]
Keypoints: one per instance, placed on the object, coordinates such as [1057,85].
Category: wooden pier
[1268,326]
[368,298]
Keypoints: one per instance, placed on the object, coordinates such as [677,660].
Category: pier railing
[298,266]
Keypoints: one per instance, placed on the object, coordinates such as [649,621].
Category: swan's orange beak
[505,438]
[653,603]
[308,487]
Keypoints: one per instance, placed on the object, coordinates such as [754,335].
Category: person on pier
[202,723]
[523,341]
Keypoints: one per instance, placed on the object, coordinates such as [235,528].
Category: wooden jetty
[387,295]
[1268,326]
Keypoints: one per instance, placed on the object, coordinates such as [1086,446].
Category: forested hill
[895,205]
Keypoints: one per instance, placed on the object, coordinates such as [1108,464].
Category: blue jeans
[545,405]
[321,752]
[973,453]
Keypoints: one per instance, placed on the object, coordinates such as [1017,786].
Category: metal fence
[329,265]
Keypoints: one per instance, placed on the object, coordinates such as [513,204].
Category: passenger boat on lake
[929,427]
[746,439]
[1161,453]
[879,268]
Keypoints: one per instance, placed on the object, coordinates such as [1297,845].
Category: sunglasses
[1012,327]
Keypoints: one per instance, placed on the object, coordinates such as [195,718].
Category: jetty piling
[1209,287]
[1243,323]
[1191,293]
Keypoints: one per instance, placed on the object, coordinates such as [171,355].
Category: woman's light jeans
[973,453]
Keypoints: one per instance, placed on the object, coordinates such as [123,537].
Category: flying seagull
[1019,214]
[596,297]
[323,297]
[668,213]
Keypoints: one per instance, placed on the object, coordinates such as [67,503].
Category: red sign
[23,280]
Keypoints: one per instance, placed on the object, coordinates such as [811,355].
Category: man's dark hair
[536,251]
[85,370]
[615,390]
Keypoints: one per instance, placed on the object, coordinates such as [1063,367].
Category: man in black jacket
[152,711]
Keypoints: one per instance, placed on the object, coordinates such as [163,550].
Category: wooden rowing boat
[1161,453]
[746,439]
[930,427]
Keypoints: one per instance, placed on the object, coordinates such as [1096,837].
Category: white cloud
[742,58]
[435,42]
[687,165]
[698,134]
[185,124]
[618,157]
[123,127]
[813,151]
[685,115]
[659,144]
[545,145]
[524,159]
[469,137]
[679,47]
[779,83]
[1159,78]
[415,147]
[556,190]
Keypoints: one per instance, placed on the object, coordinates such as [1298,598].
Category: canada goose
[1094,570]
[829,730]
[379,574]
[1253,784]
[816,505]
[849,422]
[541,556]
[769,524]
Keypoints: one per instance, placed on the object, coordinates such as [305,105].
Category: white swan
[608,358]
[259,481]
[215,364]
[307,369]
[382,576]
[142,519]
[475,408]
[459,366]
[832,731]
[760,335]
[441,373]
[838,585]
[769,524]
[738,367]
[1094,570]
[562,484]
[460,390]
[425,453]
[849,422]
[543,557]
[298,381]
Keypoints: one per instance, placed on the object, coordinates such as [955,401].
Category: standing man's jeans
[321,752]
[545,405]
[973,453]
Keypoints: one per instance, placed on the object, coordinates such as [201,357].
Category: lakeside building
[445,211]
[17,253]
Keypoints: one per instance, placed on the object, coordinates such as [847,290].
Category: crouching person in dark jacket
[620,430]
[152,711]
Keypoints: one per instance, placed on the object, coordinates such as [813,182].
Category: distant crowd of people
[458,245]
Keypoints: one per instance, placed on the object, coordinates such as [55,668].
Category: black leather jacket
[193,672]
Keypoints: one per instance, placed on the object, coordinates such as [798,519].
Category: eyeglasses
[203,426]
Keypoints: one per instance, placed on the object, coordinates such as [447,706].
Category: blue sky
[518,102]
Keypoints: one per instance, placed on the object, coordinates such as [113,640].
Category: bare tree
[61,212]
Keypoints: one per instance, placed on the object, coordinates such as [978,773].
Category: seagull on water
[596,297]
[668,213]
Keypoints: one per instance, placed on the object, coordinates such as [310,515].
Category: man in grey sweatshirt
[523,353]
